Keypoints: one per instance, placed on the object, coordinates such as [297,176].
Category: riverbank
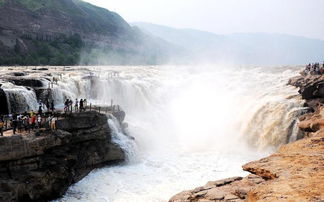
[294,173]
[42,165]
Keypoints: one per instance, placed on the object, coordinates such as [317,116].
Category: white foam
[191,125]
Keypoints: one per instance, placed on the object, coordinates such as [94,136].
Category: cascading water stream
[118,137]
[20,99]
[191,125]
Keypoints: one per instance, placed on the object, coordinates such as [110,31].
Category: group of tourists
[78,105]
[314,69]
[28,121]
[24,122]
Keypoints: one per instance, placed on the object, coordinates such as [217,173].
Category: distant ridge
[241,48]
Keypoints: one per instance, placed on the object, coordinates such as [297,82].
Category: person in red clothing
[33,121]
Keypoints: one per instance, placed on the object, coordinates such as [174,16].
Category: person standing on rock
[76,105]
[71,105]
[40,109]
[20,124]
[1,126]
[31,113]
[26,124]
[52,123]
[48,105]
[85,102]
[39,121]
[14,123]
[66,105]
[52,106]
[81,105]
[308,69]
[317,68]
[33,121]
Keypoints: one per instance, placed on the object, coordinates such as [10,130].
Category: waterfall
[273,123]
[199,107]
[71,87]
[119,137]
[194,106]
[190,124]
[20,98]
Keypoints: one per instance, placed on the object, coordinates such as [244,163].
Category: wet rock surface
[230,189]
[312,122]
[42,167]
[294,173]
[310,87]
[30,82]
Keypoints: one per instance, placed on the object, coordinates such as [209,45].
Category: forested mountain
[67,32]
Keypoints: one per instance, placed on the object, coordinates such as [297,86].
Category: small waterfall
[70,87]
[272,124]
[124,141]
[20,98]
[58,97]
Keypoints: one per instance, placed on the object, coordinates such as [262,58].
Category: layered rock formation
[310,87]
[230,189]
[294,173]
[42,166]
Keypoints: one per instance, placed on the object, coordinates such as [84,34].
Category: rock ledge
[41,168]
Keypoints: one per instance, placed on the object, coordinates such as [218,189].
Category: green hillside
[67,32]
[40,4]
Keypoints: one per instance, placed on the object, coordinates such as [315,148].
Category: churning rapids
[191,125]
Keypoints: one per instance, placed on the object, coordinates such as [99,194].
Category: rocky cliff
[294,173]
[41,166]
[59,32]
[311,88]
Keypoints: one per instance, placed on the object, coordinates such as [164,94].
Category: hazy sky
[297,17]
